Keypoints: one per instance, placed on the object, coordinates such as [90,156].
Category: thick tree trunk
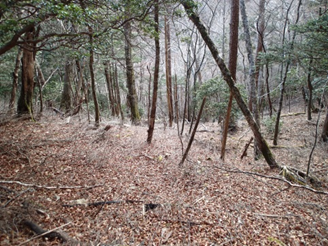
[15,81]
[233,54]
[66,98]
[156,76]
[263,146]
[25,102]
[130,79]
[324,134]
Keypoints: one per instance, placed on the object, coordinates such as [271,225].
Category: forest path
[205,202]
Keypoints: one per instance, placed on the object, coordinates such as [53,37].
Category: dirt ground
[107,186]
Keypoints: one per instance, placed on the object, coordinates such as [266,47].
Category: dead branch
[48,187]
[246,148]
[277,216]
[273,177]
[51,234]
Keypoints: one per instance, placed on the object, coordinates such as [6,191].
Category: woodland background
[101,102]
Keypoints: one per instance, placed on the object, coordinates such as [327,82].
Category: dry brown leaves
[199,203]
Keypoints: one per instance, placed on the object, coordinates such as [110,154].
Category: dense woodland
[211,115]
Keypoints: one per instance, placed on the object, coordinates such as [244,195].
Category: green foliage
[217,93]
[270,124]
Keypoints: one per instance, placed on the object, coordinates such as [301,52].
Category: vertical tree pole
[92,76]
[156,75]
[252,94]
[168,70]
[233,52]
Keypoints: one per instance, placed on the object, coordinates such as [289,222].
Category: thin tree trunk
[188,5]
[253,105]
[168,70]
[93,82]
[193,132]
[109,83]
[156,75]
[282,87]
[233,53]
[41,82]
[310,87]
[15,81]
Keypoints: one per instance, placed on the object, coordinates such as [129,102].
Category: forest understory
[107,186]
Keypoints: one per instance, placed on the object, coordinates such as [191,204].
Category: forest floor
[107,186]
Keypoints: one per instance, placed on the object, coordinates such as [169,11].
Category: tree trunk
[156,75]
[324,134]
[168,70]
[25,101]
[66,99]
[233,54]
[188,5]
[15,81]
[130,79]
[253,105]
[110,87]
[310,87]
[282,86]
[41,82]
[93,82]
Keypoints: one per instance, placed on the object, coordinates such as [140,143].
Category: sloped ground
[150,199]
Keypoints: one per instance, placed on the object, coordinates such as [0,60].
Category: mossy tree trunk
[25,102]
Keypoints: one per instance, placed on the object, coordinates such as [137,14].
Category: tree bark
[189,5]
[168,70]
[253,105]
[130,79]
[25,102]
[93,82]
[15,81]
[156,75]
[324,134]
[233,54]
[66,99]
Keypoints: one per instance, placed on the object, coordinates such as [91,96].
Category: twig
[246,148]
[48,187]
[286,216]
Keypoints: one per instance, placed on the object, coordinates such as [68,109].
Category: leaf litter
[123,191]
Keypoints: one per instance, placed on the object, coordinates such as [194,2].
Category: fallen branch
[48,187]
[273,177]
[102,203]
[51,234]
